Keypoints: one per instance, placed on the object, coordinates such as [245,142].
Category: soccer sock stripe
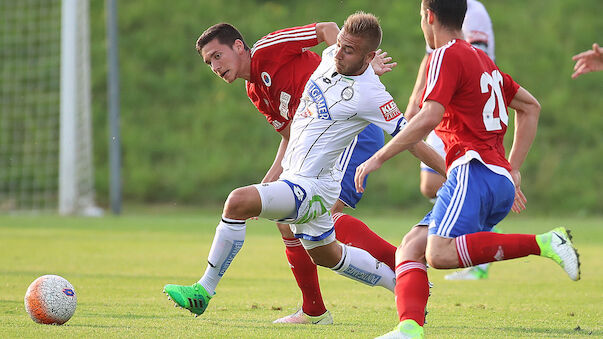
[462,252]
[409,265]
[292,242]
[336,217]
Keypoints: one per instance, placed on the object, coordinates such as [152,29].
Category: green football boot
[557,245]
[469,273]
[193,298]
[406,329]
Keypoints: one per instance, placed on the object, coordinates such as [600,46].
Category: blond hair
[364,25]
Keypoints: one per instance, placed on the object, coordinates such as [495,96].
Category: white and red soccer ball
[50,299]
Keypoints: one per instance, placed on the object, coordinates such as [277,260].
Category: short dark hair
[226,34]
[450,13]
[365,25]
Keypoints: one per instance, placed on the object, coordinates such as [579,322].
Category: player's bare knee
[240,205]
[413,245]
[435,260]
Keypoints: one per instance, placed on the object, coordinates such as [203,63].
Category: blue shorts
[365,144]
[473,199]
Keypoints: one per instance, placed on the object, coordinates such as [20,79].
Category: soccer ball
[50,299]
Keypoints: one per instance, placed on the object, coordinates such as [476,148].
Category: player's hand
[519,204]
[588,61]
[363,170]
[382,63]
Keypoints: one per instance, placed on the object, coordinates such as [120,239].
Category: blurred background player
[276,70]
[588,61]
[465,100]
[341,98]
[477,30]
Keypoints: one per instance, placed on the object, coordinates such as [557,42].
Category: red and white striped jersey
[475,94]
[281,64]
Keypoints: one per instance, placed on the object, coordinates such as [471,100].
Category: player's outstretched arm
[427,119]
[327,32]
[276,169]
[588,61]
[527,111]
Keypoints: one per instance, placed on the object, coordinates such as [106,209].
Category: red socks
[354,232]
[306,276]
[412,291]
[482,247]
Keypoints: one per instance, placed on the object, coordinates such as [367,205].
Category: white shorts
[434,141]
[305,204]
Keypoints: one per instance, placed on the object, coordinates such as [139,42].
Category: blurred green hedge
[189,138]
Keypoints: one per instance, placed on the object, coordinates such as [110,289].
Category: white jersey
[477,28]
[333,109]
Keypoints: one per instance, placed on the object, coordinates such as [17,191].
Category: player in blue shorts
[465,101]
[477,30]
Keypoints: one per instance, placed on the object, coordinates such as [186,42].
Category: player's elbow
[327,31]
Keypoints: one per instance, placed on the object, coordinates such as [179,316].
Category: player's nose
[215,67]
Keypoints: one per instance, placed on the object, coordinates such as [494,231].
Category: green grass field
[119,265]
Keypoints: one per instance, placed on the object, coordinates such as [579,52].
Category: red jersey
[475,95]
[281,64]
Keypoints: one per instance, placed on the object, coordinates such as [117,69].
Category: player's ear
[238,46]
[430,16]
[370,56]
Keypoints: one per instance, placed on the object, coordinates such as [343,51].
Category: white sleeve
[380,109]
[477,27]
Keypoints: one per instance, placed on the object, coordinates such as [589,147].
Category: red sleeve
[510,88]
[279,123]
[288,41]
[442,74]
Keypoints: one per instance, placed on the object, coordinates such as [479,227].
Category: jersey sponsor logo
[362,275]
[277,124]
[390,110]
[236,246]
[284,106]
[347,93]
[322,109]
[266,79]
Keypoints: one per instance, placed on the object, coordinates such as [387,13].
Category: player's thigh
[278,201]
[472,199]
[369,141]
[431,181]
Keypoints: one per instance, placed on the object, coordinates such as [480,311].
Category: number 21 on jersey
[492,83]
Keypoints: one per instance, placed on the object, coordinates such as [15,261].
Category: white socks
[361,266]
[228,240]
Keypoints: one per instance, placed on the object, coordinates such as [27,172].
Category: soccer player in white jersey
[340,99]
[477,30]
[275,71]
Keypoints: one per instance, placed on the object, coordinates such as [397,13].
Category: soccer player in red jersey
[465,100]
[276,69]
